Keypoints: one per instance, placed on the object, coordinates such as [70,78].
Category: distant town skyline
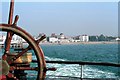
[70,18]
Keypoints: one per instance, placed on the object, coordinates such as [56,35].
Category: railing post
[81,75]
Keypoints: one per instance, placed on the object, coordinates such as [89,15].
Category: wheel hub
[5,67]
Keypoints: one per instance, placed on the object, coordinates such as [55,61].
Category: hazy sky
[70,18]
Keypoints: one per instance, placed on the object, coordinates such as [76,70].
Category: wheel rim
[38,51]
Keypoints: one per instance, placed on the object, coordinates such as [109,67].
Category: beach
[90,42]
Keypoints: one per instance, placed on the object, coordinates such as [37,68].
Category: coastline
[100,42]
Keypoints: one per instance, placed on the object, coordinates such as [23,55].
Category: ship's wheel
[14,65]
[10,64]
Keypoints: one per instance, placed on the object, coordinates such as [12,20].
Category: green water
[80,52]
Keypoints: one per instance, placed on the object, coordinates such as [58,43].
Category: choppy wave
[83,52]
[54,59]
[75,70]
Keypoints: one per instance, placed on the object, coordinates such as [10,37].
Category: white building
[2,39]
[58,38]
[61,36]
[117,39]
[63,41]
[15,39]
[53,39]
[71,39]
[84,38]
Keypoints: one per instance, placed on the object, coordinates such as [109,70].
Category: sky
[70,18]
[62,0]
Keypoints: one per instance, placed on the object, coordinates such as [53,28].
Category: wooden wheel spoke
[12,68]
[8,41]
[27,68]
[33,45]
[7,45]
[41,38]
[10,75]
[23,68]
[19,54]
[3,77]
[11,59]
[26,49]
[4,57]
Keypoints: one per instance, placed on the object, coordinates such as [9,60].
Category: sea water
[80,52]
[83,52]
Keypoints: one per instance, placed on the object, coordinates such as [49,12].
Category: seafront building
[117,39]
[52,39]
[64,39]
[57,38]
[83,38]
[61,38]
[16,40]
[2,39]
